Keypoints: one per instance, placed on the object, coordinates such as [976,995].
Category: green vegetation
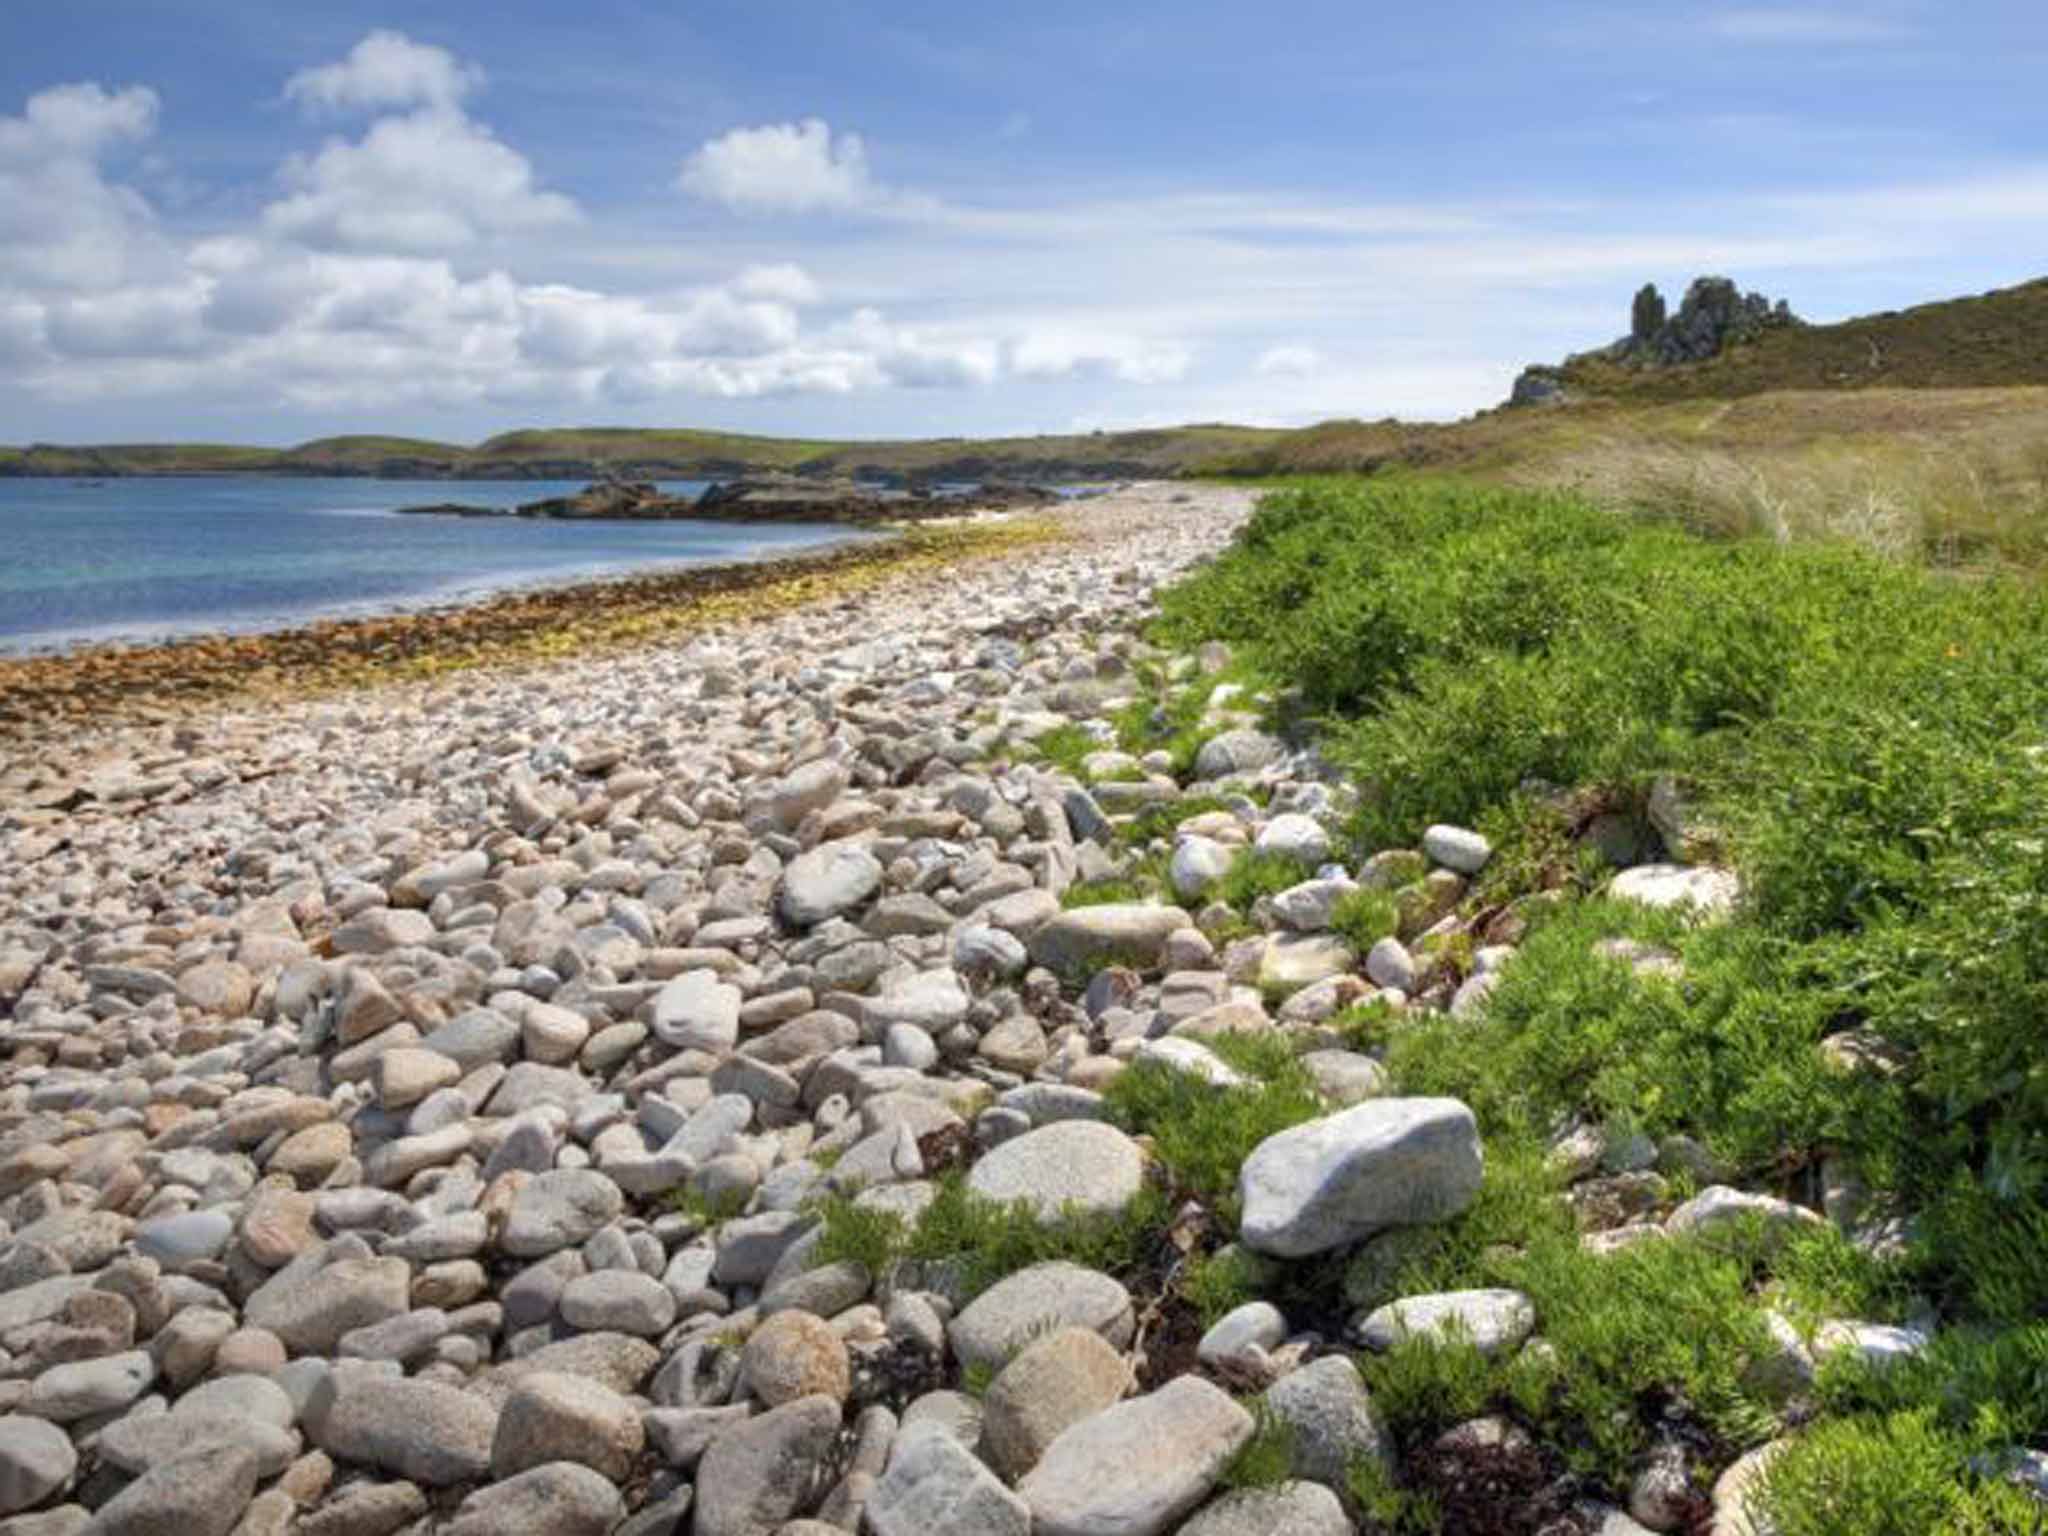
[1862,737]
[1267,1459]
[974,1241]
[1066,747]
[1203,1133]
[1363,917]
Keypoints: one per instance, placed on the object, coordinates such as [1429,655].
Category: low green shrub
[1203,1133]
[980,1241]
[1267,1459]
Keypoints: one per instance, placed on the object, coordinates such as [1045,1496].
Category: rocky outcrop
[1713,316]
[761,499]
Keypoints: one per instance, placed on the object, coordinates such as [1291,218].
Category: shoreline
[139,682]
[457,593]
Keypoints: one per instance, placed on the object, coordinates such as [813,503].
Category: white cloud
[386,69]
[1288,362]
[430,180]
[62,223]
[789,168]
[1056,353]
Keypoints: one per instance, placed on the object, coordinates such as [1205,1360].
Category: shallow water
[145,559]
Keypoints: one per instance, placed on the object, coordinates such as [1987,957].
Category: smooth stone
[1285,1509]
[425,1431]
[795,1355]
[1383,1163]
[36,1459]
[552,1417]
[1491,1321]
[1708,894]
[1006,1317]
[1072,1167]
[1456,848]
[558,1499]
[201,1493]
[759,1473]
[87,1387]
[1331,1415]
[1056,1382]
[1088,938]
[698,1012]
[934,1486]
[558,1209]
[830,880]
[1138,1468]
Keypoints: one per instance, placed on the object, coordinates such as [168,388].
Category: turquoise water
[138,559]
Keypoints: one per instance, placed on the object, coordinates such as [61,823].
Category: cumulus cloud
[788,168]
[62,223]
[386,69]
[431,178]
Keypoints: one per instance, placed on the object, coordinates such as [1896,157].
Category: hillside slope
[573,453]
[1997,339]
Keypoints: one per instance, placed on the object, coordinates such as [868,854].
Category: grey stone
[1138,1468]
[761,1472]
[86,1387]
[1256,1326]
[552,1417]
[557,1209]
[186,1238]
[1057,1381]
[558,1499]
[1384,1163]
[1285,1509]
[1083,1167]
[624,1301]
[1492,1321]
[1332,1419]
[36,1459]
[201,1493]
[1457,848]
[319,1296]
[1240,751]
[830,880]
[999,1322]
[1297,837]
[1090,937]
[935,1487]
[427,1431]
[698,1012]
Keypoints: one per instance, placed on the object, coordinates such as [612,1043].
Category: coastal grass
[514,629]
[1201,1132]
[1861,732]
[965,1242]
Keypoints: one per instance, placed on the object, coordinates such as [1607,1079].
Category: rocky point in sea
[418,1105]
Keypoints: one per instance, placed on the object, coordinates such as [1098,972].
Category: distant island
[769,499]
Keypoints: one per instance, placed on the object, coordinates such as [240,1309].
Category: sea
[139,560]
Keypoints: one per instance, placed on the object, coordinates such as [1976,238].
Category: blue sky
[267,223]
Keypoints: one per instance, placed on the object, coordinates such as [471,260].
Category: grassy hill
[1994,339]
[580,452]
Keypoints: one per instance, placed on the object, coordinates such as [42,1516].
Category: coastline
[539,621]
[458,592]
